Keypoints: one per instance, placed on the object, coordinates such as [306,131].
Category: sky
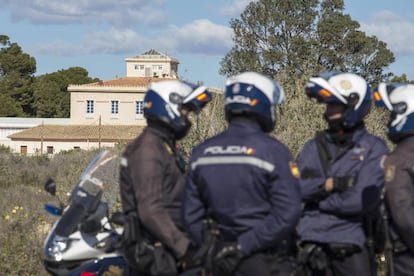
[99,34]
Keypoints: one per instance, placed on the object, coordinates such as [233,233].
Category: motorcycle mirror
[50,186]
[51,209]
[118,218]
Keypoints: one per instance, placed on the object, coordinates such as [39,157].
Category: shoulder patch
[294,169]
[389,173]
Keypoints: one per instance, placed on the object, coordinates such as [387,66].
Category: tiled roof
[129,82]
[126,81]
[109,133]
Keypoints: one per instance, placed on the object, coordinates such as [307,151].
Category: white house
[104,113]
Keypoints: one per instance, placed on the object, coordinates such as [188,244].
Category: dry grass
[23,222]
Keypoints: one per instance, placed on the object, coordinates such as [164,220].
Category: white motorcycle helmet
[255,95]
[348,89]
[164,100]
[398,98]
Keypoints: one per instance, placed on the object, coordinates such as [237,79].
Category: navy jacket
[337,217]
[241,178]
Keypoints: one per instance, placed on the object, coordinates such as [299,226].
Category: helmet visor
[381,96]
[197,100]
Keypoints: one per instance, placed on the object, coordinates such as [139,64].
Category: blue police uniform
[243,180]
[337,217]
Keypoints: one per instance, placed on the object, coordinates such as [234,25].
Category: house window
[76,148]
[139,109]
[89,107]
[139,67]
[49,149]
[154,68]
[159,67]
[114,108]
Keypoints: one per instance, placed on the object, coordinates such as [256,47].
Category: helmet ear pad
[353,100]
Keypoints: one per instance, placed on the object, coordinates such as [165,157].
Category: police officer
[152,170]
[398,98]
[246,182]
[339,167]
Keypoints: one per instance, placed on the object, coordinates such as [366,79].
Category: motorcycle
[85,239]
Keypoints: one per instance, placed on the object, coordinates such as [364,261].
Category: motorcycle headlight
[57,247]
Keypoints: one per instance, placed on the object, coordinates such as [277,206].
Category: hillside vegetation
[23,222]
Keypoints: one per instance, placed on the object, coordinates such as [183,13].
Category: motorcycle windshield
[86,198]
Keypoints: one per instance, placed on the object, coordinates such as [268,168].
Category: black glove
[227,259]
[342,183]
[191,259]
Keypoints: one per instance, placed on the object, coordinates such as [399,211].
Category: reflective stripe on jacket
[241,179]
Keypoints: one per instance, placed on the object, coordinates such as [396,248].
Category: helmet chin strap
[341,135]
[338,123]
[335,125]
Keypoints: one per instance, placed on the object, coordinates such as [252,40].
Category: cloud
[396,31]
[117,13]
[118,27]
[200,37]
[235,8]
[113,41]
